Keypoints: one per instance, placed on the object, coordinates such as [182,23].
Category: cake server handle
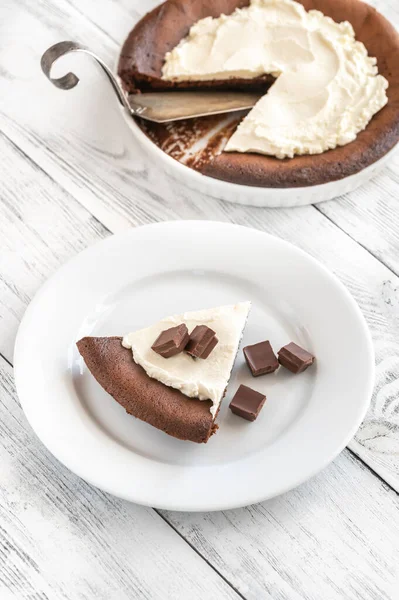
[70,80]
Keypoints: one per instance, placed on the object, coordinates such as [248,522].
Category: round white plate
[130,280]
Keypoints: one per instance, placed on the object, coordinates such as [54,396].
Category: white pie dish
[253,195]
[306,421]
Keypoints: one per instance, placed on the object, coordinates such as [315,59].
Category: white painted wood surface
[61,538]
[70,174]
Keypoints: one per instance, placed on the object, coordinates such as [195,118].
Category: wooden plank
[41,227]
[370,216]
[94,157]
[115,18]
[61,539]
[341,529]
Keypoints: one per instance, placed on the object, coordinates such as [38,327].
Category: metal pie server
[160,107]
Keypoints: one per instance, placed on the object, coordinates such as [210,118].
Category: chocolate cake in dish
[143,57]
[179,395]
[158,32]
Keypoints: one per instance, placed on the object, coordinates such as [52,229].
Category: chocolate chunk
[171,341]
[202,341]
[247,403]
[295,358]
[261,358]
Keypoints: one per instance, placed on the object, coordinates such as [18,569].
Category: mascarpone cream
[197,378]
[327,87]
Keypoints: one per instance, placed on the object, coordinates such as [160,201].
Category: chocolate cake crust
[140,67]
[158,32]
[164,407]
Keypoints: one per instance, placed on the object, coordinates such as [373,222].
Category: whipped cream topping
[205,379]
[327,87]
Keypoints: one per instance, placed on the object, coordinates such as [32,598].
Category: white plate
[130,280]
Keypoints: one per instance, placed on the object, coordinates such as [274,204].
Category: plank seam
[54,181]
[159,513]
[353,239]
[387,485]
[6,360]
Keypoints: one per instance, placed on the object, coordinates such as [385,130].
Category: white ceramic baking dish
[188,177]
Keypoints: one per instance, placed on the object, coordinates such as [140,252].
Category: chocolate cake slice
[147,399]
[178,394]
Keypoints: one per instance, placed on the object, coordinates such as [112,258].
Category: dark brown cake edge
[140,63]
[147,399]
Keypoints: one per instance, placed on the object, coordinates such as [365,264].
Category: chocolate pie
[160,31]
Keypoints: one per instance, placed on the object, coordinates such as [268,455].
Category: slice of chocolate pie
[179,394]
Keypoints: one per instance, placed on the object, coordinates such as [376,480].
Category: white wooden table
[70,175]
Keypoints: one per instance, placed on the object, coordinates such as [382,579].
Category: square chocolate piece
[202,341]
[294,358]
[171,341]
[261,358]
[247,403]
